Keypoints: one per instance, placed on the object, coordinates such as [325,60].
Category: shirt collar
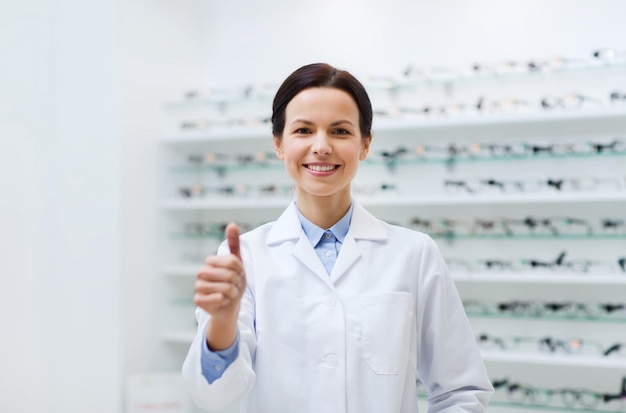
[315,233]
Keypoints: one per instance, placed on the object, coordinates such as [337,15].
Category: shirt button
[328,236]
[330,302]
[218,368]
[329,253]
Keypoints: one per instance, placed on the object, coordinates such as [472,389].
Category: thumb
[232,235]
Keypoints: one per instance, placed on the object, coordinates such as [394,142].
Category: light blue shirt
[326,243]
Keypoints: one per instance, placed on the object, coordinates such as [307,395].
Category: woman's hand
[220,285]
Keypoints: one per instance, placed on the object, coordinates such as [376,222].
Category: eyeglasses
[250,91]
[485,105]
[617,97]
[522,393]
[543,344]
[513,226]
[609,55]
[509,66]
[452,152]
[571,101]
[225,160]
[259,90]
[240,190]
[550,148]
[370,190]
[210,93]
[617,349]
[213,230]
[534,308]
[518,393]
[437,226]
[206,124]
[554,225]
[558,265]
[406,112]
[613,146]
[414,72]
[548,344]
[482,185]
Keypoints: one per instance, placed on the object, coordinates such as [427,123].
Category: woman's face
[322,143]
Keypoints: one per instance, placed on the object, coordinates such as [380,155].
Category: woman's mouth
[321,168]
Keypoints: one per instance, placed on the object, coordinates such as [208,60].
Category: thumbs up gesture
[221,282]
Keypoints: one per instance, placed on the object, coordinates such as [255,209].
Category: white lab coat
[352,342]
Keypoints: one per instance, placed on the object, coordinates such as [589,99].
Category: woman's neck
[324,211]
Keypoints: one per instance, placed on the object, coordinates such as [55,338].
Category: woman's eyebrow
[339,122]
[306,122]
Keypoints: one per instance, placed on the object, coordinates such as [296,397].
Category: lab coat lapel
[288,227]
[304,252]
[363,226]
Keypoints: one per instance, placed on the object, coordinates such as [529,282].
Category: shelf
[224,204]
[408,83]
[540,407]
[567,237]
[493,158]
[568,278]
[554,359]
[495,316]
[497,199]
[222,168]
[537,117]
[391,201]
[383,125]
[543,237]
[189,271]
[495,75]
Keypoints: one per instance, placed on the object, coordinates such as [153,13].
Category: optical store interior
[132,131]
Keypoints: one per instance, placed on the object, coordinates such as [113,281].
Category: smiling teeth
[321,168]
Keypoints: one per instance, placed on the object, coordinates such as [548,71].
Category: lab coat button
[330,360]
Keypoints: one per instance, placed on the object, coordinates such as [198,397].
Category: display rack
[413,185]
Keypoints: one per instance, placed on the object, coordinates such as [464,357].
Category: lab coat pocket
[386,331]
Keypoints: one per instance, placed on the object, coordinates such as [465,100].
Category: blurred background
[84,89]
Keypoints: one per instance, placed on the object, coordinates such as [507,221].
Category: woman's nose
[321,145]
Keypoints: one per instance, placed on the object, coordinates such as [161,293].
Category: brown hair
[320,75]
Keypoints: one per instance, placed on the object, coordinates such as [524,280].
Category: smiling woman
[321,146]
[356,309]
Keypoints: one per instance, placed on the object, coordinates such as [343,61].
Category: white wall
[160,47]
[59,157]
[262,41]
[82,86]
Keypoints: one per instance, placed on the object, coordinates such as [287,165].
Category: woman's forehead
[324,101]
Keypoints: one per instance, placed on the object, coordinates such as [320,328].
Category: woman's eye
[341,131]
[302,131]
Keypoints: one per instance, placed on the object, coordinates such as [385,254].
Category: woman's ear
[278,148]
[365,147]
